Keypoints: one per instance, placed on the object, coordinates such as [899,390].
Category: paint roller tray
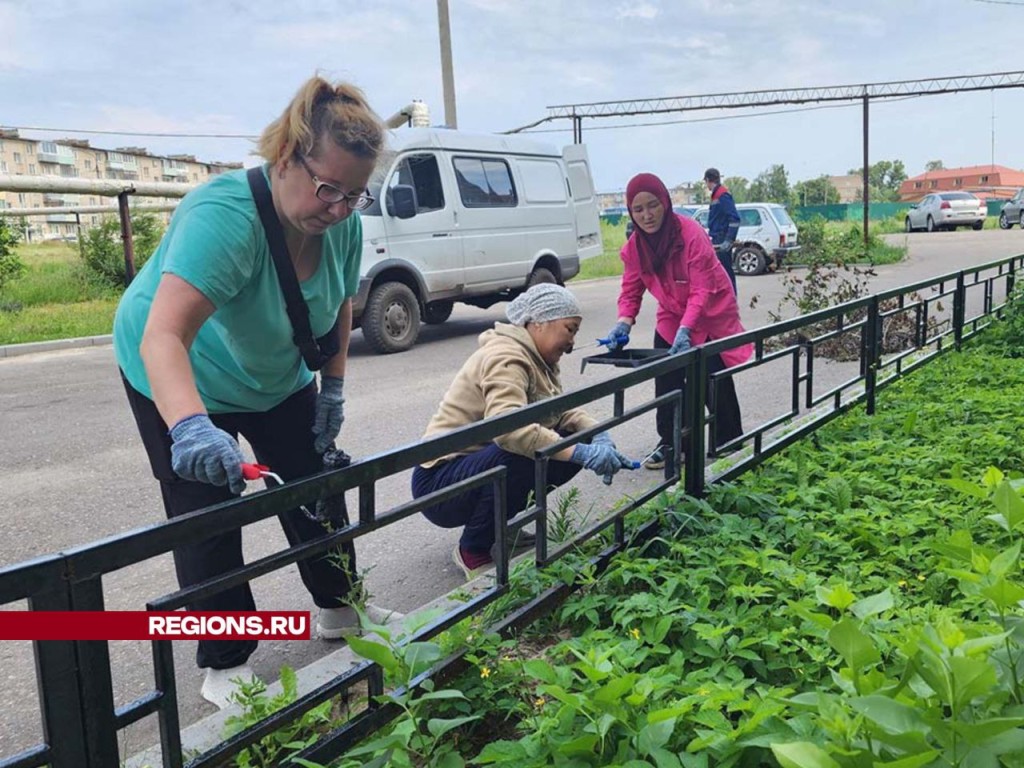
[624,358]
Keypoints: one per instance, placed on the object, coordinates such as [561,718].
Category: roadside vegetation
[63,291]
[855,601]
[820,240]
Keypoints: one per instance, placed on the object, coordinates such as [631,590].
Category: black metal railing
[74,678]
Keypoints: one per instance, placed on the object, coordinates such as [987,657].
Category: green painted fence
[855,211]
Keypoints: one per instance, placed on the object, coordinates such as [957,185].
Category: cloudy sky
[229,66]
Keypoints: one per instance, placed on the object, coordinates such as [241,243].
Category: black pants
[723,404]
[475,510]
[282,439]
[725,258]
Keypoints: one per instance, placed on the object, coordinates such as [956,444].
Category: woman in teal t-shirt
[206,348]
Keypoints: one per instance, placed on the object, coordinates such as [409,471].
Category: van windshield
[375,186]
[780,215]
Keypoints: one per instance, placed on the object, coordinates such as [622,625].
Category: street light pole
[447,75]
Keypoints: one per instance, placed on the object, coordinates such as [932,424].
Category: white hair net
[542,303]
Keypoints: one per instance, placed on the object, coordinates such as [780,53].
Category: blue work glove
[620,329]
[203,453]
[725,246]
[601,458]
[330,412]
[605,438]
[682,342]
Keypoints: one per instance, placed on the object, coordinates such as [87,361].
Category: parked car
[946,210]
[682,210]
[1012,211]
[471,218]
[767,236]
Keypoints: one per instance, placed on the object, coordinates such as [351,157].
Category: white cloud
[645,11]
[195,66]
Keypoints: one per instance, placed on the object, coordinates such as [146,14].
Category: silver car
[946,210]
[1012,211]
[766,238]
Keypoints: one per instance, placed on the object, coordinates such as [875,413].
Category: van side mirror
[402,201]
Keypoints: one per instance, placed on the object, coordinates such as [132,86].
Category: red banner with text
[154,625]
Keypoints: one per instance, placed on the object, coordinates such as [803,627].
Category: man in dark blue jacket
[723,221]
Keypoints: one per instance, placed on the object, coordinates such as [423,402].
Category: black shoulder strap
[298,311]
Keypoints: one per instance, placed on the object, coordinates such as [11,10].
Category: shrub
[104,253]
[11,267]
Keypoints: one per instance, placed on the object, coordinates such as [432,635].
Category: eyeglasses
[332,195]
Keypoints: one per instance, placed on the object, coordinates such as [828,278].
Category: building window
[3,166]
[17,157]
[918,185]
[983,180]
[934,185]
[958,182]
[88,165]
[31,169]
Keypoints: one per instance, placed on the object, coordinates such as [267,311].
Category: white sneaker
[221,685]
[335,623]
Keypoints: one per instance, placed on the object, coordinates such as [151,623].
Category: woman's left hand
[330,412]
[682,341]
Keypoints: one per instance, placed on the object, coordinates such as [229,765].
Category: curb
[33,347]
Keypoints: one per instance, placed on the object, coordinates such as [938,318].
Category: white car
[767,236]
[946,210]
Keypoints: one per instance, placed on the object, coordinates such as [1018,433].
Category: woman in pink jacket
[672,257]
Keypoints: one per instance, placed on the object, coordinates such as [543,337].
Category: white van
[470,218]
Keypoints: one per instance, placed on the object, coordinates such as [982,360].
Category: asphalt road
[72,469]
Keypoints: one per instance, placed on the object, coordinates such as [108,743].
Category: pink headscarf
[654,249]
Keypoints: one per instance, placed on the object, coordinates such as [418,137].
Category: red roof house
[989,182]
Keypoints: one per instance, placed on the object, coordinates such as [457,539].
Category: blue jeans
[475,509]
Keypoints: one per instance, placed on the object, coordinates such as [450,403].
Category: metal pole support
[126,237]
[959,311]
[872,354]
[694,399]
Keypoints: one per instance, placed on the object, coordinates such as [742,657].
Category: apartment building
[76,158]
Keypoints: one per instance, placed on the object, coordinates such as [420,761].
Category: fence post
[64,728]
[95,683]
[694,398]
[871,354]
[126,237]
[959,311]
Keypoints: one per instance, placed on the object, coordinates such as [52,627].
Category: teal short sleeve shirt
[243,357]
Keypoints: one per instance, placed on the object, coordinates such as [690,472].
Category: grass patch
[56,298]
[608,264]
[57,321]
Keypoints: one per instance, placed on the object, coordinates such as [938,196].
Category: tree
[103,249]
[11,266]
[700,193]
[819,191]
[934,165]
[771,186]
[739,187]
[884,179]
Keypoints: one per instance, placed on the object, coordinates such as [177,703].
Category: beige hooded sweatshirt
[505,373]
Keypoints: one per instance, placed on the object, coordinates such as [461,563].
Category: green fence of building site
[855,211]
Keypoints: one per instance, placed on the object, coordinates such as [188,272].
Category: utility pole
[993,159]
[447,76]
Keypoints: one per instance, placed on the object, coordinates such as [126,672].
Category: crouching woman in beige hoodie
[515,365]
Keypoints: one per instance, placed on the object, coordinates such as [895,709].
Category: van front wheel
[391,320]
